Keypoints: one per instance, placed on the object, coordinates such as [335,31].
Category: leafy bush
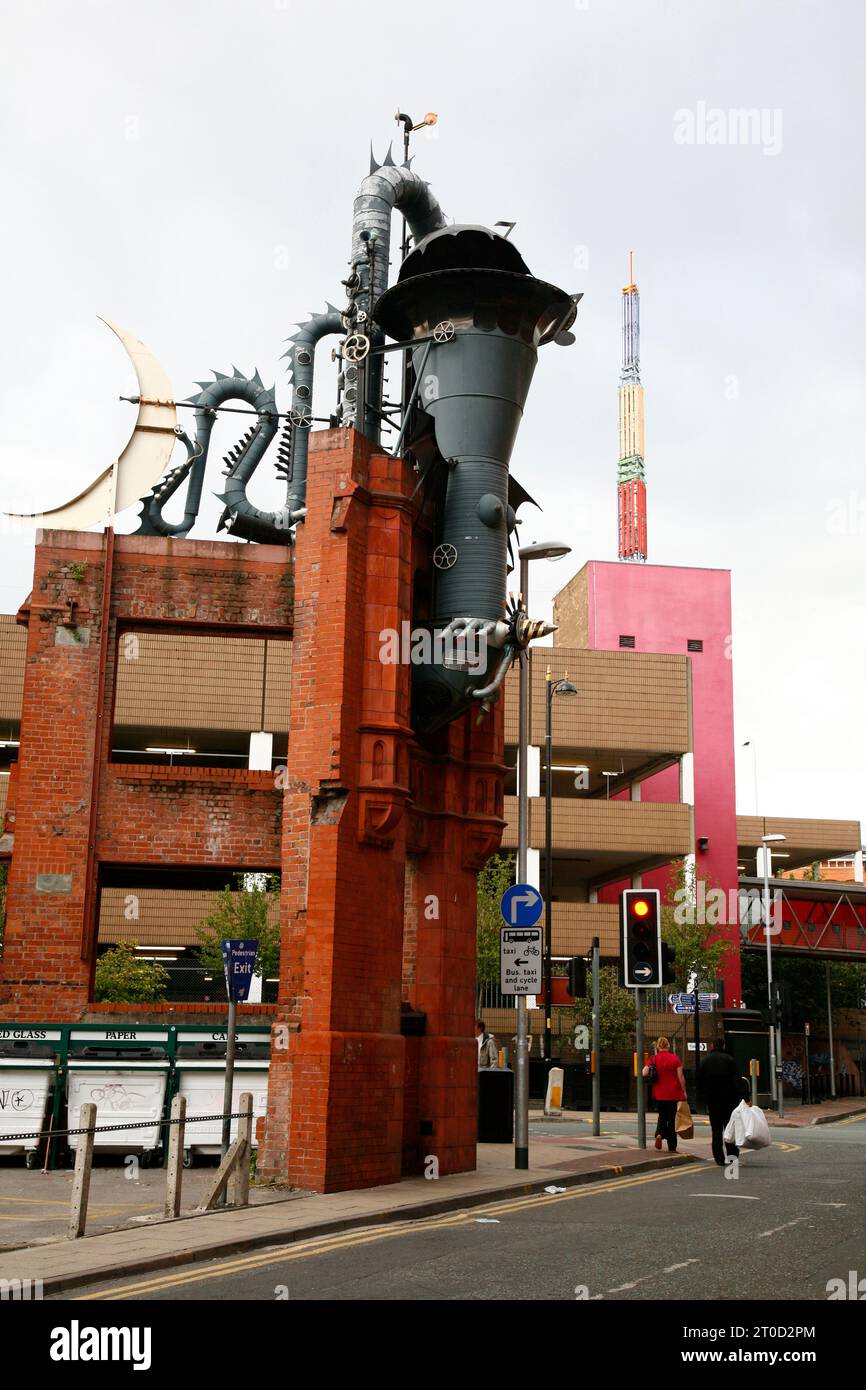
[123,977]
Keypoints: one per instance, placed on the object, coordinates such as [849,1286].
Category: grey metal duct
[488,316]
[302,362]
[386,187]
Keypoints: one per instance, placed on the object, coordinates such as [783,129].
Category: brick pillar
[45,975]
[337,1067]
[460,789]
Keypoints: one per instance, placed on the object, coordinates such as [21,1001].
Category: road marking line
[348,1239]
[776,1229]
[728,1196]
[647,1278]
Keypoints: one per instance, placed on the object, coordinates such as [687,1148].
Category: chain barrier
[108,1129]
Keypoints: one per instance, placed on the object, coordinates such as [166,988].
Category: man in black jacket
[721,1085]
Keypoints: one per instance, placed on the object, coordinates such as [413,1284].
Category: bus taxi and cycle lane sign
[520,960]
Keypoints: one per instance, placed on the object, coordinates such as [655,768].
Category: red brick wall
[146,815]
[348,1095]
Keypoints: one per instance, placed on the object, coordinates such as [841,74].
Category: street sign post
[520,960]
[685,1003]
[521,906]
[239,963]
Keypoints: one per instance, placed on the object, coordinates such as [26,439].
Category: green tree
[697,944]
[805,986]
[616,1010]
[494,878]
[123,977]
[245,913]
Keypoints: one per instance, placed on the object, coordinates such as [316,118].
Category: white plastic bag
[757,1131]
[735,1129]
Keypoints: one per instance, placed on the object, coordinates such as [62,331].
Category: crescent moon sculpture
[142,461]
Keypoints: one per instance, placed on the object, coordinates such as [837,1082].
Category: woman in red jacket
[669,1088]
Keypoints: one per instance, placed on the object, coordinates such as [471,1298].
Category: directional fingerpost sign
[520,958]
[239,959]
[685,1003]
[521,905]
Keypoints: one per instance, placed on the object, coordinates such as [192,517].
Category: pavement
[562,1160]
[34,1206]
[795,1116]
[563,1154]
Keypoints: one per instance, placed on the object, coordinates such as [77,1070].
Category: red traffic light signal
[640,938]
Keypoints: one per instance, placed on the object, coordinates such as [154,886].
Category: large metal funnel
[472,291]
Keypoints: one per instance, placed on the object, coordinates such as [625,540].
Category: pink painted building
[671,610]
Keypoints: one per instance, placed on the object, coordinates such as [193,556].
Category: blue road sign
[239,962]
[685,1003]
[521,905]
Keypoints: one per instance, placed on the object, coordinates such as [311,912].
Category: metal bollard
[754,1068]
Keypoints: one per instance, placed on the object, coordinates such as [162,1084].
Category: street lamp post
[563,687]
[752,743]
[527,553]
[775,1032]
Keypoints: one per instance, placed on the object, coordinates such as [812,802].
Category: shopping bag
[756,1130]
[684,1124]
[735,1128]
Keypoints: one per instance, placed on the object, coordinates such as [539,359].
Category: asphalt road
[793,1219]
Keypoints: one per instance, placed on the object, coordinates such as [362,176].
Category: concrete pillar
[687,779]
[533,868]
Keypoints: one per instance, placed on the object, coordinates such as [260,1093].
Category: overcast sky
[188,170]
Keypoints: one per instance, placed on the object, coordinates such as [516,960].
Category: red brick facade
[377,840]
[352,1102]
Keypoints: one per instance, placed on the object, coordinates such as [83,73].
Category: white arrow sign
[525,900]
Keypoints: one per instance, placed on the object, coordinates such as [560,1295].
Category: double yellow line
[347,1240]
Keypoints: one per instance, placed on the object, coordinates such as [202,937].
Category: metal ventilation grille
[196,699]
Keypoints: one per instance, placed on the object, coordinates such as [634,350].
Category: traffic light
[669,974]
[640,938]
[577,977]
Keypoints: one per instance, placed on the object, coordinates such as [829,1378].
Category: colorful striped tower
[631,487]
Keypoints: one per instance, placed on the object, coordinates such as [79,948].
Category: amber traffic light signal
[640,938]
